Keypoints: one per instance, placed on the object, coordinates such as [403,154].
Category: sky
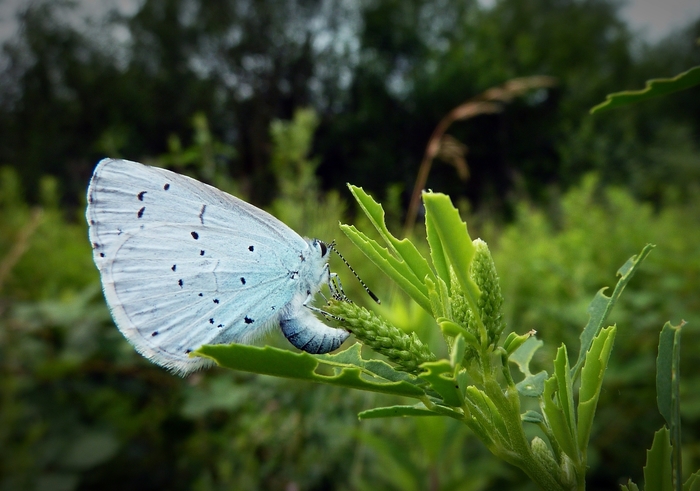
[651,19]
[654,19]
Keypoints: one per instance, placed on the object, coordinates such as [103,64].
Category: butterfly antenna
[369,292]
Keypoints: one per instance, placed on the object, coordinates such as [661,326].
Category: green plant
[654,88]
[473,383]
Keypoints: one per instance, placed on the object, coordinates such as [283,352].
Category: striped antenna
[369,292]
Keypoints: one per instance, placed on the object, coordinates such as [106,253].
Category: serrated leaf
[654,88]
[302,366]
[591,383]
[531,385]
[668,387]
[455,240]
[458,249]
[439,374]
[693,482]
[378,368]
[657,471]
[397,411]
[403,248]
[394,268]
[437,253]
[558,405]
[667,372]
[523,355]
[600,307]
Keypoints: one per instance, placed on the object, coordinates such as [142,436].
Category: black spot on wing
[251,248]
[195,235]
[154,333]
[216,300]
[140,195]
[248,320]
[201,253]
[201,214]
[102,254]
[140,213]
[211,320]
[166,186]
[174,267]
[187,351]
[242,280]
[180,282]
[201,295]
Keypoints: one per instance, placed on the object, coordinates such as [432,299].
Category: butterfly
[184,264]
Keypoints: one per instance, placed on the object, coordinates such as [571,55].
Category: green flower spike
[406,350]
[483,273]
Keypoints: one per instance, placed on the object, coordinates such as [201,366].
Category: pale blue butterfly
[184,264]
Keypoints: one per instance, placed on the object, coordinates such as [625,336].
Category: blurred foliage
[380,74]
[79,409]
[551,261]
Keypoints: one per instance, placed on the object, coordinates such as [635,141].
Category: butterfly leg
[336,288]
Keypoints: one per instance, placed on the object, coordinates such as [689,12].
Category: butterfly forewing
[184,264]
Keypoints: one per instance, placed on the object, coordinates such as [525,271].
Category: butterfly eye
[324,249]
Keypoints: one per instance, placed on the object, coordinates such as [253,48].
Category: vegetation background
[282,102]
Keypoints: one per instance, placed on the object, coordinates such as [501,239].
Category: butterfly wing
[184,264]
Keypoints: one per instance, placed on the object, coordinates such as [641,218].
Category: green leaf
[450,328]
[531,385]
[531,416]
[397,411]
[600,307]
[438,306]
[459,347]
[394,268]
[657,472]
[630,486]
[558,406]
[591,383]
[693,482]
[455,240]
[403,248]
[485,412]
[514,341]
[439,374]
[437,253]
[668,388]
[654,88]
[369,375]
[378,368]
[667,374]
